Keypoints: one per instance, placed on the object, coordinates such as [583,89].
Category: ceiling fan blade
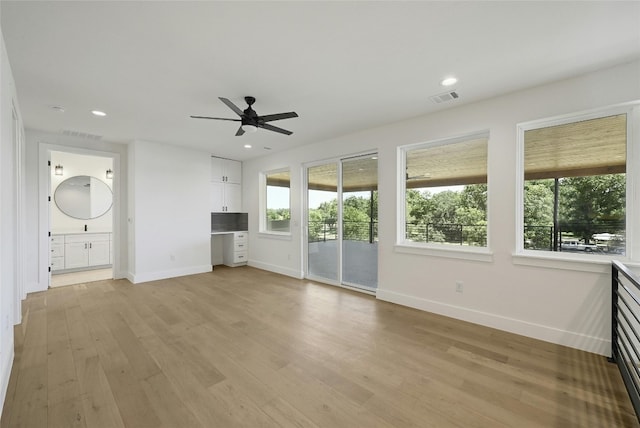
[232,106]
[274,128]
[240,131]
[278,116]
[216,118]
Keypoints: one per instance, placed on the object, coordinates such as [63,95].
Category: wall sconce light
[109,173]
[58,169]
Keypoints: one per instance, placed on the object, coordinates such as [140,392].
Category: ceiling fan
[250,121]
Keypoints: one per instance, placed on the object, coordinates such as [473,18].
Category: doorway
[81,218]
[342,222]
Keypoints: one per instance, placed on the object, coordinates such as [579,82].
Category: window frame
[571,261]
[263,204]
[403,245]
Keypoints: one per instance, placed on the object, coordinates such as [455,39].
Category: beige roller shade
[590,147]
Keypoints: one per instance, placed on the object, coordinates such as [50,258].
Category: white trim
[5,370]
[549,259]
[632,110]
[575,340]
[282,236]
[276,269]
[173,273]
[478,254]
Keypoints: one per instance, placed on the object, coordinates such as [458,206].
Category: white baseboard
[276,269]
[5,373]
[154,276]
[596,345]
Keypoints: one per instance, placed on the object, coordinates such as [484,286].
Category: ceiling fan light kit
[249,119]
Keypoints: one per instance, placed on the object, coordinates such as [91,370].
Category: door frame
[45,199]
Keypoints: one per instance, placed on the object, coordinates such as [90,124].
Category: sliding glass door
[342,226]
[360,222]
[322,221]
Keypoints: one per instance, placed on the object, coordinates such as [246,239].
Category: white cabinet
[76,251]
[226,170]
[57,252]
[226,187]
[226,197]
[235,251]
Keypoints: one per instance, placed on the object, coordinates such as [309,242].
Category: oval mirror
[83,197]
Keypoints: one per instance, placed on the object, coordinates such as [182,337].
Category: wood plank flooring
[247,348]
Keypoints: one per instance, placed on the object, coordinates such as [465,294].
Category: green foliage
[278,214]
[448,216]
[356,214]
[590,205]
[587,205]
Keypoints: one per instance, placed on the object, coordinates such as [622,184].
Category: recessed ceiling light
[98,113]
[247,146]
[449,81]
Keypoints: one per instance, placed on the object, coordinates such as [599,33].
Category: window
[574,192]
[445,192]
[276,213]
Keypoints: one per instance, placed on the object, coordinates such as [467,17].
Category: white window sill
[568,261]
[478,254]
[283,236]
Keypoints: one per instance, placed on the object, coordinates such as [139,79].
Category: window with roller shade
[445,189]
[276,211]
[574,187]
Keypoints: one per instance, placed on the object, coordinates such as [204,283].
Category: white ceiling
[342,66]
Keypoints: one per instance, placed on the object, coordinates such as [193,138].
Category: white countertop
[79,233]
[226,233]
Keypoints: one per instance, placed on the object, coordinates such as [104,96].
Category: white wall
[73,165]
[38,146]
[170,218]
[11,166]
[557,304]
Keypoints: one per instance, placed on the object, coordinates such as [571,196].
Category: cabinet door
[76,254]
[233,171]
[98,253]
[217,169]
[217,197]
[233,197]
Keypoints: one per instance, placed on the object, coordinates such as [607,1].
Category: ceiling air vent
[444,97]
[81,134]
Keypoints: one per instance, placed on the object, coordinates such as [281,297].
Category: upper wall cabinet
[226,170]
[226,185]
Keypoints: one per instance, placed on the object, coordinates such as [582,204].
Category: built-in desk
[229,248]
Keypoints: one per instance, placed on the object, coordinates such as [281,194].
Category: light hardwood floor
[63,279]
[247,348]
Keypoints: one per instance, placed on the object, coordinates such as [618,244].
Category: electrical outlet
[459,287]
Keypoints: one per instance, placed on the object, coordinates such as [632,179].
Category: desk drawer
[239,256]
